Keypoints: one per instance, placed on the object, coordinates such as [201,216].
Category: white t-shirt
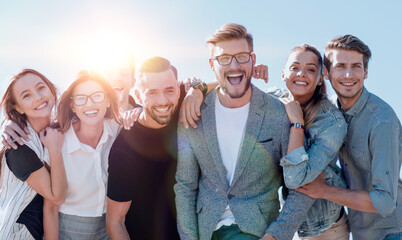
[86,171]
[230,127]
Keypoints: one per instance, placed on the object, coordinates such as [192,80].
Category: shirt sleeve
[301,167]
[384,146]
[292,215]
[23,162]
[118,186]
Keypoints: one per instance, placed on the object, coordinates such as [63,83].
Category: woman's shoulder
[22,161]
[328,117]
[330,111]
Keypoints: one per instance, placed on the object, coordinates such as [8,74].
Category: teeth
[235,75]
[42,105]
[348,84]
[91,112]
[164,109]
[301,83]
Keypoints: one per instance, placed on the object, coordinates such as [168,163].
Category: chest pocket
[358,155]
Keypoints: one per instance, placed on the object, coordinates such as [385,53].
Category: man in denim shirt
[371,156]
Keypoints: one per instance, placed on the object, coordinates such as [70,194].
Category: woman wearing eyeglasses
[87,114]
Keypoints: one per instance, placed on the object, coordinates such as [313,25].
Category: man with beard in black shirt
[142,161]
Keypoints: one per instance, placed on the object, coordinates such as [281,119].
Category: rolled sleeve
[301,167]
[295,157]
[384,146]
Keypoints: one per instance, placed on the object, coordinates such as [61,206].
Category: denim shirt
[320,152]
[371,160]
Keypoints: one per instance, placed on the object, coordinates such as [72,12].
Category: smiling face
[33,97]
[159,95]
[347,75]
[121,82]
[234,79]
[91,112]
[302,74]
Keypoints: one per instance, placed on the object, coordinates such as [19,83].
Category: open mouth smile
[42,106]
[235,79]
[91,113]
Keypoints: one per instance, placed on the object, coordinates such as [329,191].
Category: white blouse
[87,172]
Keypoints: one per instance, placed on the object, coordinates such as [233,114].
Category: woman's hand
[294,110]
[130,117]
[52,139]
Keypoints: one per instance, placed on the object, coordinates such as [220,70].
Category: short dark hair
[154,65]
[230,31]
[347,42]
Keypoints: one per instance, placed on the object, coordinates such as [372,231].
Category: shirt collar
[359,104]
[74,144]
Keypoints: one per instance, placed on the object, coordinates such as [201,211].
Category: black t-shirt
[22,163]
[142,166]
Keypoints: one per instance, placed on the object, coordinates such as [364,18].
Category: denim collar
[358,106]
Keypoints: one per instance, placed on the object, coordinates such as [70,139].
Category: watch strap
[297,125]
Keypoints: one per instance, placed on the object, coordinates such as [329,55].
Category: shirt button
[230,196]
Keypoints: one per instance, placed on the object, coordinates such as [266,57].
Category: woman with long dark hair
[317,131]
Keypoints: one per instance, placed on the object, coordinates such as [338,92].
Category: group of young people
[77,174]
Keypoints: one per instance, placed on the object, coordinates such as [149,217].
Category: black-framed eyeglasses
[96,97]
[226,59]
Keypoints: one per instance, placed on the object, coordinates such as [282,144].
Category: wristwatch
[297,125]
[201,86]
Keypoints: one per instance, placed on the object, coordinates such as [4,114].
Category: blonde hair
[231,31]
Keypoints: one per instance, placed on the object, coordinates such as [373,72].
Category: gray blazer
[202,191]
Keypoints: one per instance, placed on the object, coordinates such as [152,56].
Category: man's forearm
[211,86]
[358,200]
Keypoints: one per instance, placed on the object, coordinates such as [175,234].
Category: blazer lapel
[209,126]
[253,128]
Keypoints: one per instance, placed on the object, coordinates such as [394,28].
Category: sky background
[60,38]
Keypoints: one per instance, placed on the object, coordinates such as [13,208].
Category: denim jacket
[322,141]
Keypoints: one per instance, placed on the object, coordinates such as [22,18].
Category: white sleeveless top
[15,194]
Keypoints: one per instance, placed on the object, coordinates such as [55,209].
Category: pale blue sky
[60,38]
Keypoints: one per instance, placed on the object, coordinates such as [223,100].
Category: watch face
[195,84]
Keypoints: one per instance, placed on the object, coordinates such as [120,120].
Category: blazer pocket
[265,140]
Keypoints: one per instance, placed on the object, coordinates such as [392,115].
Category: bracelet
[297,125]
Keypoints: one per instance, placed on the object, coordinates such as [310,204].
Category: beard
[161,119]
[224,84]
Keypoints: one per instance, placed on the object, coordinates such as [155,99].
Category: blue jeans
[82,228]
[394,236]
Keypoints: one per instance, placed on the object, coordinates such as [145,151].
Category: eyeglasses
[226,59]
[96,97]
